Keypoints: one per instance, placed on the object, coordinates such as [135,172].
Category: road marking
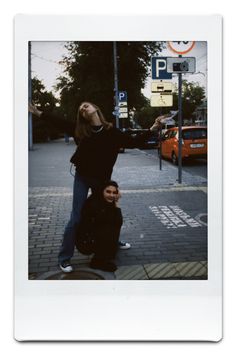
[198,218]
[169,189]
[129,191]
[173,217]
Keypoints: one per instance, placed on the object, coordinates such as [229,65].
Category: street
[196,167]
[165,222]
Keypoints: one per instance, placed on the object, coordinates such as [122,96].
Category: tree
[43,99]
[89,74]
[46,102]
[193,96]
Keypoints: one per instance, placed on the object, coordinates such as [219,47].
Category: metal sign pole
[30,123]
[160,136]
[160,149]
[180,128]
[179,47]
[116,83]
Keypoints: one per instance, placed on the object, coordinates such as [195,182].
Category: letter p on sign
[160,65]
[159,70]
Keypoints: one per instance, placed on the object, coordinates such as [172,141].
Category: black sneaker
[124,245]
[66,267]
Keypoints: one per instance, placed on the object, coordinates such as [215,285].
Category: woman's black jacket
[102,221]
[96,155]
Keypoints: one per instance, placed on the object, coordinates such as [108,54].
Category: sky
[46,57]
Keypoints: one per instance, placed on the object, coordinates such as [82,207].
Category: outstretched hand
[157,124]
[34,110]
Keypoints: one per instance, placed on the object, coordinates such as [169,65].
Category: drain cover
[77,274]
[203,218]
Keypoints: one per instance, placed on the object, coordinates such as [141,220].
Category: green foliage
[89,74]
[193,96]
[146,116]
[46,102]
[43,99]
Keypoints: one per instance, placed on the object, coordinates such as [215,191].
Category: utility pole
[116,88]
[30,123]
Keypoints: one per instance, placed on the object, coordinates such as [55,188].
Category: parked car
[150,143]
[194,143]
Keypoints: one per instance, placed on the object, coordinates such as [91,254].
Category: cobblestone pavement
[166,223]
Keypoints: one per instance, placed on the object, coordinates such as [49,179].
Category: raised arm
[66,126]
[158,122]
[34,110]
[127,141]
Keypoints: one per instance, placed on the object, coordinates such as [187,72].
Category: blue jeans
[80,194]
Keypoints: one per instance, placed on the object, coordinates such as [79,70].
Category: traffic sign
[181,65]
[123,110]
[122,96]
[122,104]
[158,67]
[162,86]
[123,115]
[161,100]
[181,47]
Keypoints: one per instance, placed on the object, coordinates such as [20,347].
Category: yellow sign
[162,86]
[161,100]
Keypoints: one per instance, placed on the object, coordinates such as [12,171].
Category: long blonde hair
[83,128]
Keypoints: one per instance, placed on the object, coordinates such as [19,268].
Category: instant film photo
[118,182]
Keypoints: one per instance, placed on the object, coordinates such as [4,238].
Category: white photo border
[119,310]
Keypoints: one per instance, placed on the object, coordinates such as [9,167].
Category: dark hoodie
[96,155]
[104,221]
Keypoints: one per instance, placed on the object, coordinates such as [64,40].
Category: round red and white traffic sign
[181,47]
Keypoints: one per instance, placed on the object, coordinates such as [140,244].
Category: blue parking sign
[159,69]
[122,96]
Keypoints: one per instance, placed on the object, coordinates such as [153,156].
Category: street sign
[181,47]
[162,86]
[181,65]
[122,104]
[123,115]
[123,109]
[122,96]
[158,67]
[161,100]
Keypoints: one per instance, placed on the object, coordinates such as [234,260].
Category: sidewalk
[165,222]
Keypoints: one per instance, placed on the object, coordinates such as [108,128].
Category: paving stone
[50,200]
[161,270]
[190,269]
[131,273]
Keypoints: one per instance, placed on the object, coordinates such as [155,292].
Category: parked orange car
[194,143]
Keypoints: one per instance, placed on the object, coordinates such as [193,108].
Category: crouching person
[99,228]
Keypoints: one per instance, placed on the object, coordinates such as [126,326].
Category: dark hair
[109,183]
[98,192]
[83,128]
